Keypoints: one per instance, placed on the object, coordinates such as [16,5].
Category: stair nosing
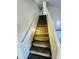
[38,45]
[41,39]
[39,53]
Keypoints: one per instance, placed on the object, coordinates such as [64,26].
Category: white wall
[55,12]
[52,13]
[27,11]
[55,15]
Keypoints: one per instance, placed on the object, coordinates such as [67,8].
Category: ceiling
[54,2]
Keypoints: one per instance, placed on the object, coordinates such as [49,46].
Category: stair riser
[41,33]
[42,26]
[41,39]
[41,30]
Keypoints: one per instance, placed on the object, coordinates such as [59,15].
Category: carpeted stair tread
[44,44]
[33,56]
[41,33]
[41,38]
[41,51]
[41,28]
[42,25]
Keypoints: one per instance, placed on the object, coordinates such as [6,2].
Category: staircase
[40,46]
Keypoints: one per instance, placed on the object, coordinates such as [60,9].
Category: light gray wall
[55,12]
[27,11]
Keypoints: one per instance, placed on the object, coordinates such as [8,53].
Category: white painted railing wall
[54,42]
[25,45]
[27,17]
